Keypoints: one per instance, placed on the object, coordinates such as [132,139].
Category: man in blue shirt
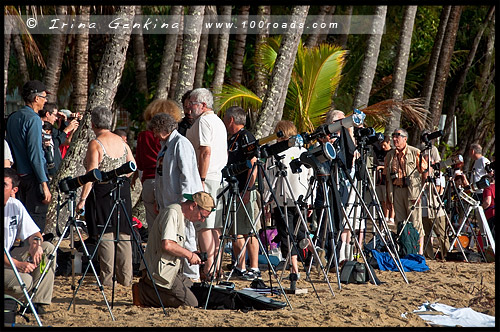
[24,135]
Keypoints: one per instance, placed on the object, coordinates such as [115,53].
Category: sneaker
[288,277]
[250,275]
[236,273]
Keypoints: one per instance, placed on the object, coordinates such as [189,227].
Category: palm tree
[272,105]
[81,64]
[167,60]
[223,44]
[239,46]
[190,46]
[443,68]
[140,58]
[103,93]
[316,74]
[312,40]
[369,64]
[21,57]
[401,64]
[260,82]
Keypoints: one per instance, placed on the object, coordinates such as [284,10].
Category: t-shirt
[490,191]
[209,130]
[6,152]
[169,225]
[478,171]
[237,155]
[17,223]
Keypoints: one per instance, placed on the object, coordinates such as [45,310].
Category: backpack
[10,310]
[408,240]
[354,272]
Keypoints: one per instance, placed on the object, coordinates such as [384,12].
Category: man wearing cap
[164,253]
[404,166]
[24,135]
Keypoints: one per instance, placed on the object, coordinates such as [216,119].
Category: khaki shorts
[214,220]
[243,224]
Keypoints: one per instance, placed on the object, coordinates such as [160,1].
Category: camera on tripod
[235,169]
[479,185]
[314,158]
[71,184]
[453,162]
[367,136]
[427,137]
[354,120]
[490,167]
[126,168]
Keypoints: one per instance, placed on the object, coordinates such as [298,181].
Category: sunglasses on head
[398,135]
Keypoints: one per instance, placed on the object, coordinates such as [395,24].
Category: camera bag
[355,273]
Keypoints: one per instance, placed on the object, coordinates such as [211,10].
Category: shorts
[214,220]
[243,225]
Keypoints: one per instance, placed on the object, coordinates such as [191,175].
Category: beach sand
[456,284]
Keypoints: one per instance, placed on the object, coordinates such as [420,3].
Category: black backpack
[408,240]
[355,273]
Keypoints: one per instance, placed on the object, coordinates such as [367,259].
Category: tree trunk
[81,64]
[239,46]
[430,75]
[21,58]
[210,14]
[140,58]
[6,55]
[272,105]
[401,65]
[220,60]
[107,80]
[169,52]
[490,45]
[328,20]
[489,147]
[342,39]
[260,84]
[190,46]
[463,74]
[443,68]
[55,57]
[312,40]
[369,65]
[177,63]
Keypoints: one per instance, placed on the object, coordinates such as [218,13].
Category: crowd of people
[180,162]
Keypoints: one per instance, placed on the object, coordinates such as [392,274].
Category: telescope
[71,184]
[235,169]
[272,150]
[481,184]
[453,161]
[315,158]
[427,137]
[354,120]
[367,136]
[126,168]
[250,148]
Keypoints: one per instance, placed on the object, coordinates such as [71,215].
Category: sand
[456,284]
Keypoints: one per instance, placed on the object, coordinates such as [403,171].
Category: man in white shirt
[478,169]
[209,138]
[29,260]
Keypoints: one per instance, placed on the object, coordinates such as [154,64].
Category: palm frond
[412,109]
[236,95]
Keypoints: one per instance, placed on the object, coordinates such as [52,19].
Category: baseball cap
[203,199]
[34,86]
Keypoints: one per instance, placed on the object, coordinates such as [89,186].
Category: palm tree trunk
[202,51]
[169,52]
[328,20]
[443,68]
[369,65]
[223,44]
[107,80]
[21,58]
[239,46]
[260,76]
[6,55]
[342,39]
[312,40]
[463,74]
[272,105]
[401,65]
[430,75]
[140,58]
[54,61]
[81,64]
[190,46]
[177,63]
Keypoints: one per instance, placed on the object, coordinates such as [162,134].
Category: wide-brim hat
[203,199]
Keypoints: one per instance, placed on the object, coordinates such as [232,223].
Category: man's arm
[204,161]
[252,176]
[174,249]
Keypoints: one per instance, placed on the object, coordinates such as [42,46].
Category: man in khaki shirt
[405,177]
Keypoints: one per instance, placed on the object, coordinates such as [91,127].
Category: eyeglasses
[398,135]
[201,214]
[44,97]
[195,102]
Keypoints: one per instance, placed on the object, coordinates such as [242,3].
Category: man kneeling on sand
[164,253]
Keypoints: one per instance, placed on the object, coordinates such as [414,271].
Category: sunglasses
[398,135]
[203,217]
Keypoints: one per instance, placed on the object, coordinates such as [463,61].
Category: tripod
[118,203]
[430,182]
[281,176]
[23,287]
